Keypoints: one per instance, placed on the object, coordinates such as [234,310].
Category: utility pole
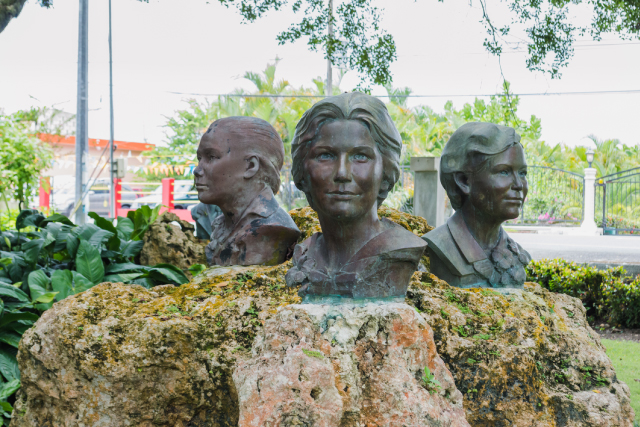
[112,193]
[82,112]
[330,33]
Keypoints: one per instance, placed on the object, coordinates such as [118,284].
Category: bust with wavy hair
[346,153]
[484,172]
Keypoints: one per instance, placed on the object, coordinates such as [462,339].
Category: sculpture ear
[462,181]
[252,166]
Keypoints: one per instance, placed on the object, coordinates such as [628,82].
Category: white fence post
[588,226]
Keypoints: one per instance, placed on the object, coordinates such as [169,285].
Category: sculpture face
[239,161]
[341,168]
[344,170]
[219,168]
[472,249]
[499,189]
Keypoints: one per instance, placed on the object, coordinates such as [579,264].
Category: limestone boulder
[526,359]
[170,240]
[325,365]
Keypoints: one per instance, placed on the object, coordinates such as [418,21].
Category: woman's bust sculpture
[484,172]
[346,153]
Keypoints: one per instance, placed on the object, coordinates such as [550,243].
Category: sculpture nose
[518,183]
[343,174]
[198,171]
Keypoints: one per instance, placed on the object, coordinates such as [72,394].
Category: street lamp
[590,155]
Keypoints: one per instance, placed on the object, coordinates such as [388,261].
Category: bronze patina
[239,162]
[346,153]
[484,172]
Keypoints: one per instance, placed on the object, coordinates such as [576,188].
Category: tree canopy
[360,43]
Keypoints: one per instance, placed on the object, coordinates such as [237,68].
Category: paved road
[591,249]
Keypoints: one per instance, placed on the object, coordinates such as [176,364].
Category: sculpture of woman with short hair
[484,172]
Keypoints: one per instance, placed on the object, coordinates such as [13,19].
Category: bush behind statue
[608,294]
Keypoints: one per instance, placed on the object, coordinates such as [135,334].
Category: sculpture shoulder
[439,237]
[442,244]
[279,218]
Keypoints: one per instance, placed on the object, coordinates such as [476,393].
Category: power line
[237,95]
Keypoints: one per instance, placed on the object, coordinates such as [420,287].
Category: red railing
[167,200]
[167,197]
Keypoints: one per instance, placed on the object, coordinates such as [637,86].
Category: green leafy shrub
[607,294]
[46,259]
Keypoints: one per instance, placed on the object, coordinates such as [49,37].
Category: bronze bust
[346,153]
[484,172]
[239,162]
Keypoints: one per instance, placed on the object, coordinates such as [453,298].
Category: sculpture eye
[325,156]
[523,174]
[504,172]
[360,157]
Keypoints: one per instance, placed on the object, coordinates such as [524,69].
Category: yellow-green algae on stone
[123,355]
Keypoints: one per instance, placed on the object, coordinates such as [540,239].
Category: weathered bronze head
[239,162]
[346,154]
[484,172]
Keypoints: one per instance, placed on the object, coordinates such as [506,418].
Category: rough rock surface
[167,242]
[122,355]
[325,365]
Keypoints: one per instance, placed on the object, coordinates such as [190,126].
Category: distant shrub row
[610,295]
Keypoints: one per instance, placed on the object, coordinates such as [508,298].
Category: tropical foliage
[22,156]
[610,294]
[46,259]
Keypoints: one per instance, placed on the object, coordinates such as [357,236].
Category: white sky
[189,46]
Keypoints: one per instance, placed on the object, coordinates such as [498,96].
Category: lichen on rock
[170,240]
[169,356]
[528,358]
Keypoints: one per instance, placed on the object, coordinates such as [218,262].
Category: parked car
[181,200]
[64,198]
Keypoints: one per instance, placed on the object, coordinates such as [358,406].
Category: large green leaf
[72,245]
[57,218]
[167,273]
[80,283]
[124,227]
[131,248]
[122,277]
[62,283]
[40,294]
[114,241]
[32,250]
[7,389]
[10,338]
[89,263]
[10,291]
[28,217]
[39,278]
[9,365]
[14,317]
[100,237]
[125,266]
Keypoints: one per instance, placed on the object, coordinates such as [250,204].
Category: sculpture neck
[484,228]
[343,239]
[234,207]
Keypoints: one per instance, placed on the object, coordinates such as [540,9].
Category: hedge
[610,295]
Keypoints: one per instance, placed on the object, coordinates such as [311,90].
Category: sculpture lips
[342,195]
[201,187]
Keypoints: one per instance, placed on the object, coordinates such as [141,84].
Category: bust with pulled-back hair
[346,153]
[239,162]
[484,172]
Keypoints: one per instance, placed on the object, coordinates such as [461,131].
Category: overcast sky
[168,49]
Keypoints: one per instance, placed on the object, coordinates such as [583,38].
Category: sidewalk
[597,250]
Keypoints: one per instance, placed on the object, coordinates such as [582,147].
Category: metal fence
[555,196]
[618,202]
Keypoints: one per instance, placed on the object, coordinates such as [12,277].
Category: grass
[624,356]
